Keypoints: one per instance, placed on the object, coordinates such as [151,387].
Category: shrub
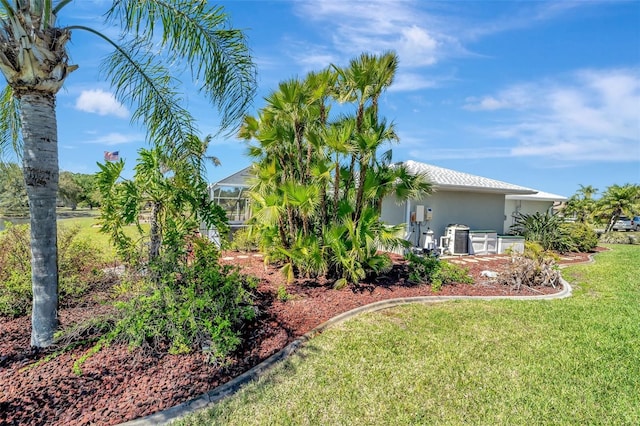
[619,238]
[283,294]
[531,272]
[535,251]
[245,240]
[15,294]
[196,306]
[79,267]
[430,269]
[549,230]
[584,237]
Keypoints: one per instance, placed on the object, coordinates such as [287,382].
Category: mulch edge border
[219,393]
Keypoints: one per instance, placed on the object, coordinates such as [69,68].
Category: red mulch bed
[118,384]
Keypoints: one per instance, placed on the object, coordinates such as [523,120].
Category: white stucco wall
[476,210]
[524,207]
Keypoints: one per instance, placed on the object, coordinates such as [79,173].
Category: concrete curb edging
[231,387]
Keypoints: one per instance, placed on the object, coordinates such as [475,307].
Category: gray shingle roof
[452,180]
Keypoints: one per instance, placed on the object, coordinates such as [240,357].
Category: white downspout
[408,217]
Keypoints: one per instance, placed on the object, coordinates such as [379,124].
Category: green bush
[15,294]
[535,251]
[619,238]
[79,267]
[584,237]
[245,240]
[430,269]
[549,230]
[195,306]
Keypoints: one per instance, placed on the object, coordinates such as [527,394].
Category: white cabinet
[513,242]
[483,242]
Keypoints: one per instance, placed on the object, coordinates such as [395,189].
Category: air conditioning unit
[458,239]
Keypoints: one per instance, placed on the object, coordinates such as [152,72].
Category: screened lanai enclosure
[231,194]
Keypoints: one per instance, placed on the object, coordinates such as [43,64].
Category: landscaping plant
[160,46]
[196,305]
[430,269]
[80,265]
[535,267]
[319,180]
[549,230]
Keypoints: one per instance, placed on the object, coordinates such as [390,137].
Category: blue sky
[540,94]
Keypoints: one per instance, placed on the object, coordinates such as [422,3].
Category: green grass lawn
[89,223]
[572,361]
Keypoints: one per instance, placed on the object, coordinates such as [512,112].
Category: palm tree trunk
[336,188]
[360,193]
[40,169]
[155,237]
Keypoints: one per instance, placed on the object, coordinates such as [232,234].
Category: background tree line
[74,190]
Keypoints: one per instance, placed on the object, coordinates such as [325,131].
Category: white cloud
[590,115]
[376,26]
[406,81]
[101,103]
[117,139]
[520,96]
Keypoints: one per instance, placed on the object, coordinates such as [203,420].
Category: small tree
[13,193]
[69,190]
[581,205]
[175,189]
[618,201]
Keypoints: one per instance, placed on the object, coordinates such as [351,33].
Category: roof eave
[464,188]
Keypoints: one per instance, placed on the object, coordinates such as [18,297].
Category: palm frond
[200,35]
[10,135]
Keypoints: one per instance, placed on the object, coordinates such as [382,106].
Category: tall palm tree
[362,82]
[35,63]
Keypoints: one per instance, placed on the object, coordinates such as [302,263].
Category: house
[482,207]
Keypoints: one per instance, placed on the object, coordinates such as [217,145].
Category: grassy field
[571,361]
[89,224]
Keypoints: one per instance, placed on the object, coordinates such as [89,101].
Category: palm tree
[581,204]
[35,63]
[587,191]
[617,201]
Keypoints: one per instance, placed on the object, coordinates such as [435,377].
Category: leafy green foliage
[581,205]
[77,189]
[282,293]
[319,180]
[619,238]
[430,269]
[549,230]
[79,266]
[245,240]
[195,305]
[13,193]
[616,201]
[583,235]
[173,185]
